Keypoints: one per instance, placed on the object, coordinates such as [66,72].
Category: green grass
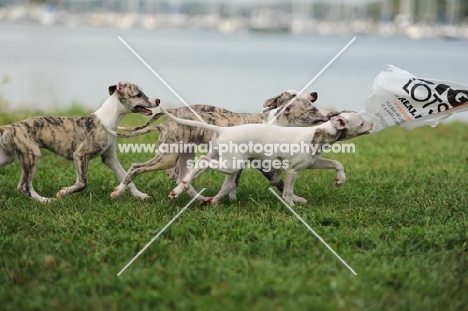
[400,221]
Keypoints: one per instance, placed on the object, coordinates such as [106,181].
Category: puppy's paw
[142,196]
[212,201]
[205,201]
[299,200]
[232,195]
[201,199]
[138,194]
[289,200]
[339,182]
[47,200]
[173,195]
[62,192]
[117,192]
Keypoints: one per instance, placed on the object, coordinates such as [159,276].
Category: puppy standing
[343,126]
[78,139]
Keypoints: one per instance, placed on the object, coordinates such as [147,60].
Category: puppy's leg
[289,180]
[109,158]
[232,194]
[81,160]
[176,174]
[181,168]
[202,165]
[173,173]
[29,161]
[229,185]
[205,163]
[184,167]
[322,163]
[275,180]
[161,161]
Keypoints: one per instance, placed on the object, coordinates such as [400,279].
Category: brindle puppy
[78,139]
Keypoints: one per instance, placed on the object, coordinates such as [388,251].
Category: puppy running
[301,112]
[342,126]
[78,139]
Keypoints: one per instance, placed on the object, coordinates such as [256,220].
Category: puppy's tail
[132,134]
[203,124]
[155,117]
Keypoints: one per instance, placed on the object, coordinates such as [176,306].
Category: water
[50,67]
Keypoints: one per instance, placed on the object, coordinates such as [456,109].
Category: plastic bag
[399,98]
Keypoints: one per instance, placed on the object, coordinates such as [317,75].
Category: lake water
[44,68]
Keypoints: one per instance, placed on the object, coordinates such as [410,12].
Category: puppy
[78,139]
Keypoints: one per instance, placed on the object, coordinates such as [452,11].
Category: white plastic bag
[399,98]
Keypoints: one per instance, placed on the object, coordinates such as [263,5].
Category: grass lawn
[400,221]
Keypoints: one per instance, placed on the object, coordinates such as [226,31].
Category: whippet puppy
[78,139]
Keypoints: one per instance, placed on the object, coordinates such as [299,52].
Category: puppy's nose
[314,96]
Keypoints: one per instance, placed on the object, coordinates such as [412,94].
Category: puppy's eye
[139,95]
[362,124]
[293,95]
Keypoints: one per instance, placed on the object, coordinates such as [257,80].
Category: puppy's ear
[314,96]
[339,123]
[272,102]
[285,98]
[112,89]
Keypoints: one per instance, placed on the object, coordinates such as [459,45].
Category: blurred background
[229,53]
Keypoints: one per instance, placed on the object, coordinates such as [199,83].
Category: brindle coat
[77,139]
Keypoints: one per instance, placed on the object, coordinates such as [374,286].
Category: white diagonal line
[159,233]
[312,230]
[313,79]
[160,79]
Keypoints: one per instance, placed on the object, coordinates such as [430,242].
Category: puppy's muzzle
[144,110]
